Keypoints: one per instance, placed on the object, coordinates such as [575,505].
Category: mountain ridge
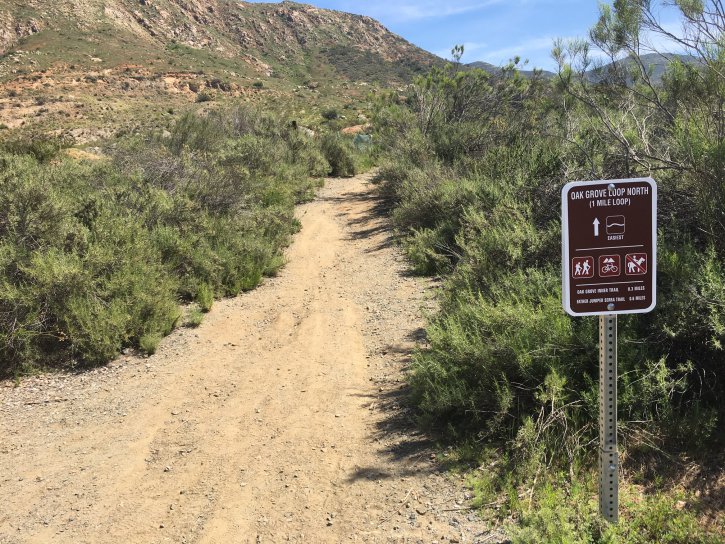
[130,55]
[74,66]
[228,27]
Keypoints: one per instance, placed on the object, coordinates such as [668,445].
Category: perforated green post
[608,454]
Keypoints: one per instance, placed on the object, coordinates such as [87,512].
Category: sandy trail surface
[280,419]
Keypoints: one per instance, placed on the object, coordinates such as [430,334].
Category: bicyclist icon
[610,265]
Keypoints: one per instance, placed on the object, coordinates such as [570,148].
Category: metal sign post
[609,267]
[608,453]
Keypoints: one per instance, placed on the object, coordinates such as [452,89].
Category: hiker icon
[636,264]
[582,267]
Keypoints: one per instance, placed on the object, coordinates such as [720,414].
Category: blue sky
[491,30]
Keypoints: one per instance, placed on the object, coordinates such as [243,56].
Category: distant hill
[493,69]
[656,63]
[76,62]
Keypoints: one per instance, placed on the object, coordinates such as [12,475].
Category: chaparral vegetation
[97,255]
[140,183]
[474,163]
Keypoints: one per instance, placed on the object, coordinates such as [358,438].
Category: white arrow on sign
[596,227]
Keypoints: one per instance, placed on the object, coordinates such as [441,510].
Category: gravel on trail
[282,418]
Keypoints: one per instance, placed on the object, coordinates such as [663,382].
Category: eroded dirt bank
[277,420]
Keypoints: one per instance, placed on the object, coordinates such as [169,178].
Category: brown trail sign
[609,264]
[609,237]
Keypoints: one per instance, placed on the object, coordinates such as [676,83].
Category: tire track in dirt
[279,419]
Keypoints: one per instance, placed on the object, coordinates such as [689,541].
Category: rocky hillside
[228,27]
[127,55]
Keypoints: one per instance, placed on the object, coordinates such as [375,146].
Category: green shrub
[149,343]
[43,148]
[559,519]
[475,188]
[330,114]
[480,346]
[195,317]
[81,283]
[205,297]
[473,165]
[569,515]
[95,256]
[305,153]
[339,154]
[427,251]
[253,153]
[197,132]
[656,520]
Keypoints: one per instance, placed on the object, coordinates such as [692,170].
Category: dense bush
[97,256]
[339,153]
[569,516]
[42,148]
[79,279]
[474,164]
[476,187]
[330,114]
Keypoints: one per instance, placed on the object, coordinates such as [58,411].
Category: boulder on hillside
[357,129]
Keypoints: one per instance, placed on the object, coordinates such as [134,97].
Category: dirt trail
[276,420]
